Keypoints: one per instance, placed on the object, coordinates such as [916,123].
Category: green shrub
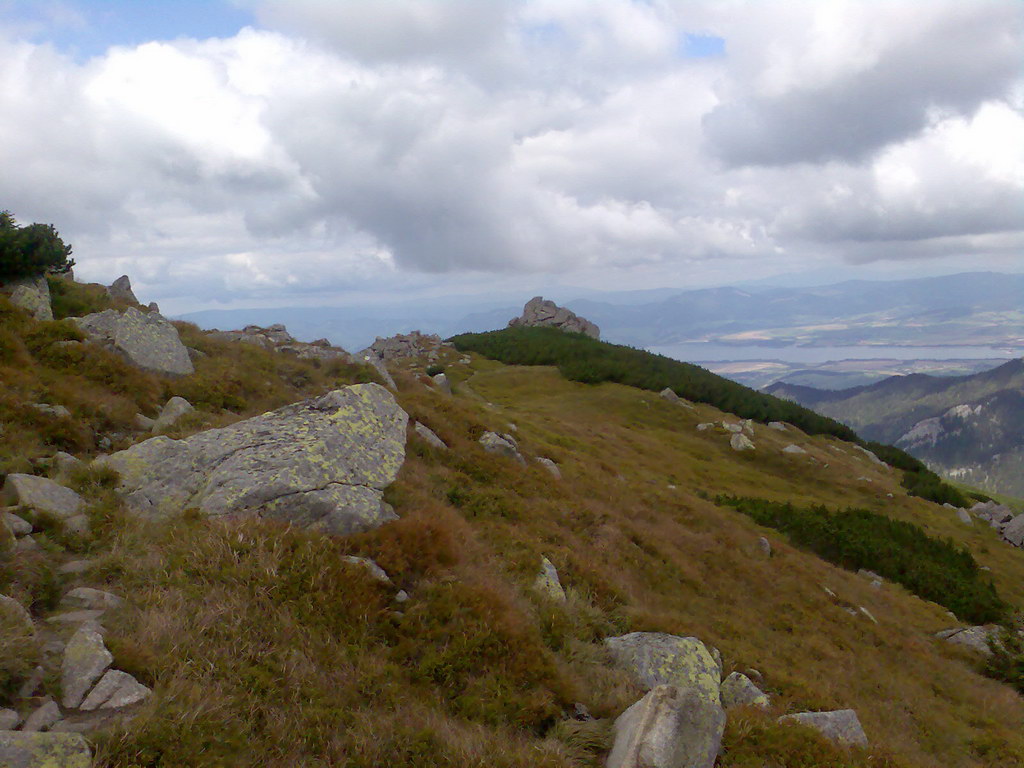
[1006,663]
[435,369]
[31,250]
[933,569]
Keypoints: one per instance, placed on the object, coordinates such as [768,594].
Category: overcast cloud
[339,145]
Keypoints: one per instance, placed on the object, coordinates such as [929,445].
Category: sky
[297,152]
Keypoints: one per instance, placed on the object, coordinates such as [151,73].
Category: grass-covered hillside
[264,647]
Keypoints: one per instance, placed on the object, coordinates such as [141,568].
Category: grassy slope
[265,649]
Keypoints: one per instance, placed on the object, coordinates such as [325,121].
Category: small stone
[668,394]
[57,411]
[18,526]
[429,436]
[738,690]
[401,596]
[794,450]
[27,544]
[173,411]
[777,425]
[16,612]
[42,717]
[31,684]
[581,713]
[550,466]
[734,428]
[867,613]
[547,582]
[65,464]
[95,599]
[143,423]
[371,567]
[86,658]
[764,546]
[502,445]
[841,726]
[442,383]
[964,516]
[75,567]
[705,426]
[44,750]
[9,719]
[77,525]
[740,442]
[115,689]
[76,617]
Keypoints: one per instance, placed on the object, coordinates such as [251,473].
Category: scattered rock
[550,466]
[793,449]
[1013,531]
[121,290]
[502,445]
[738,690]
[42,495]
[18,526]
[82,616]
[778,426]
[441,382]
[764,546]
[670,727]
[320,463]
[16,613]
[86,658]
[841,726]
[669,395]
[547,582]
[429,436]
[276,337]
[57,411]
[44,750]
[401,596]
[31,294]
[975,638]
[874,460]
[9,719]
[65,464]
[730,427]
[115,689]
[656,658]
[145,339]
[405,346]
[75,566]
[32,683]
[740,442]
[45,715]
[77,525]
[539,312]
[89,598]
[965,516]
[993,513]
[869,575]
[867,613]
[143,423]
[371,567]
[172,412]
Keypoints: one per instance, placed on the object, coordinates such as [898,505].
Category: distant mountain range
[975,309]
[969,428]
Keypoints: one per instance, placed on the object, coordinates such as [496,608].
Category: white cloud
[356,142]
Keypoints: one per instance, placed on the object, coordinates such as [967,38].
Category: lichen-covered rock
[42,717]
[670,727]
[403,346]
[44,750]
[375,361]
[375,571]
[429,436]
[321,463]
[121,290]
[502,445]
[547,582]
[145,339]
[42,495]
[539,312]
[173,411]
[31,294]
[740,442]
[550,466]
[656,658]
[841,726]
[738,690]
[85,660]
[115,689]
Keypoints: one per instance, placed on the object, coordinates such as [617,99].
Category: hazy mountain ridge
[969,428]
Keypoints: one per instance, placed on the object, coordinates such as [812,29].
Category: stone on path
[321,463]
[670,727]
[841,726]
[86,658]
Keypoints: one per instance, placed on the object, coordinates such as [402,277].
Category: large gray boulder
[740,442]
[977,638]
[656,658]
[173,411]
[321,463]
[31,294]
[44,750]
[42,495]
[841,726]
[145,339]
[539,312]
[85,660]
[502,445]
[670,727]
[1013,531]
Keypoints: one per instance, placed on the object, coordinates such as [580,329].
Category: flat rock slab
[89,598]
[321,463]
[841,726]
[43,750]
[42,495]
[670,727]
[976,638]
[86,658]
[115,689]
[656,658]
[145,339]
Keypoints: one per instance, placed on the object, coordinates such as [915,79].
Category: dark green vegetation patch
[931,568]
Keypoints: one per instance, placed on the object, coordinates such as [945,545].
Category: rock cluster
[1000,517]
[321,463]
[407,345]
[539,312]
[31,294]
[145,339]
[276,337]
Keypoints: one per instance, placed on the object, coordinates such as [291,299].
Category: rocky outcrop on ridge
[31,294]
[121,290]
[276,337]
[321,463]
[403,346]
[540,312]
[145,339]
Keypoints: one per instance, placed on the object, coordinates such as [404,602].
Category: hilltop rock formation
[539,312]
[145,339]
[321,463]
[403,346]
[276,337]
[31,294]
[121,290]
